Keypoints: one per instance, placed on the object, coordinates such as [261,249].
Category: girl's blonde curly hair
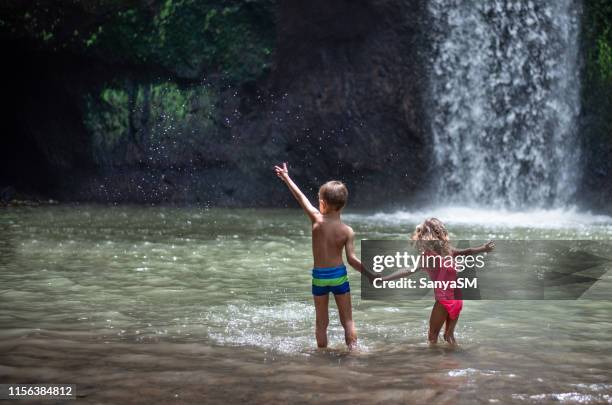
[432,235]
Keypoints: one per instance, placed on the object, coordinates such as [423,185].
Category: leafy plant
[147,116]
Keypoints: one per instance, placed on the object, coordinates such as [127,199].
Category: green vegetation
[596,117]
[147,116]
[192,36]
[604,55]
[597,83]
[107,118]
[597,33]
[162,62]
[188,38]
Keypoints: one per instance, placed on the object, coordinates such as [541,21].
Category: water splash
[506,96]
[570,219]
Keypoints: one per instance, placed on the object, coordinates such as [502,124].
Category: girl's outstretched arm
[283,174]
[487,247]
[399,274]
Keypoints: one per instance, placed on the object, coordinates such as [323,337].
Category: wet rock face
[342,93]
[348,86]
[43,138]
[341,100]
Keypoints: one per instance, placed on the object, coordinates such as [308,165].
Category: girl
[431,238]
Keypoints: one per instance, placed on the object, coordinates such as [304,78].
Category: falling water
[505,92]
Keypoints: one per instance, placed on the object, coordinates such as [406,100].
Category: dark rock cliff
[151,101]
[346,101]
[341,99]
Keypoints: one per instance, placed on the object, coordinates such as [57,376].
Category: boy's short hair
[334,193]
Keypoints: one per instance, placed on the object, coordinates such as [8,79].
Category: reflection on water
[206,305]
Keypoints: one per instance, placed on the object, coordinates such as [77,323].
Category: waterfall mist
[505,98]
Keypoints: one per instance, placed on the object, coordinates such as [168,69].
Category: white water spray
[505,96]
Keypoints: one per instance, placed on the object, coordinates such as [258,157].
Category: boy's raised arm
[283,174]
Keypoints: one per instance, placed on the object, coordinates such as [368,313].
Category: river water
[165,304]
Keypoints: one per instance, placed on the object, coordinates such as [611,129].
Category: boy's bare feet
[343,302]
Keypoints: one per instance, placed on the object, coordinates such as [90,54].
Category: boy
[329,237]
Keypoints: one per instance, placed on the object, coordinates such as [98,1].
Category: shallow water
[211,305]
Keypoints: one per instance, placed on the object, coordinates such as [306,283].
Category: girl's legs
[321,303]
[449,330]
[436,320]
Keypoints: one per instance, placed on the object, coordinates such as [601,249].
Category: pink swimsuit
[448,297]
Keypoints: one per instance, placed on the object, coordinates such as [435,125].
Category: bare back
[329,237]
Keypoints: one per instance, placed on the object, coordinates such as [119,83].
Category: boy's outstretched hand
[372,276]
[282,172]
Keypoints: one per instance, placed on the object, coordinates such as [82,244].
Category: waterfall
[504,101]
